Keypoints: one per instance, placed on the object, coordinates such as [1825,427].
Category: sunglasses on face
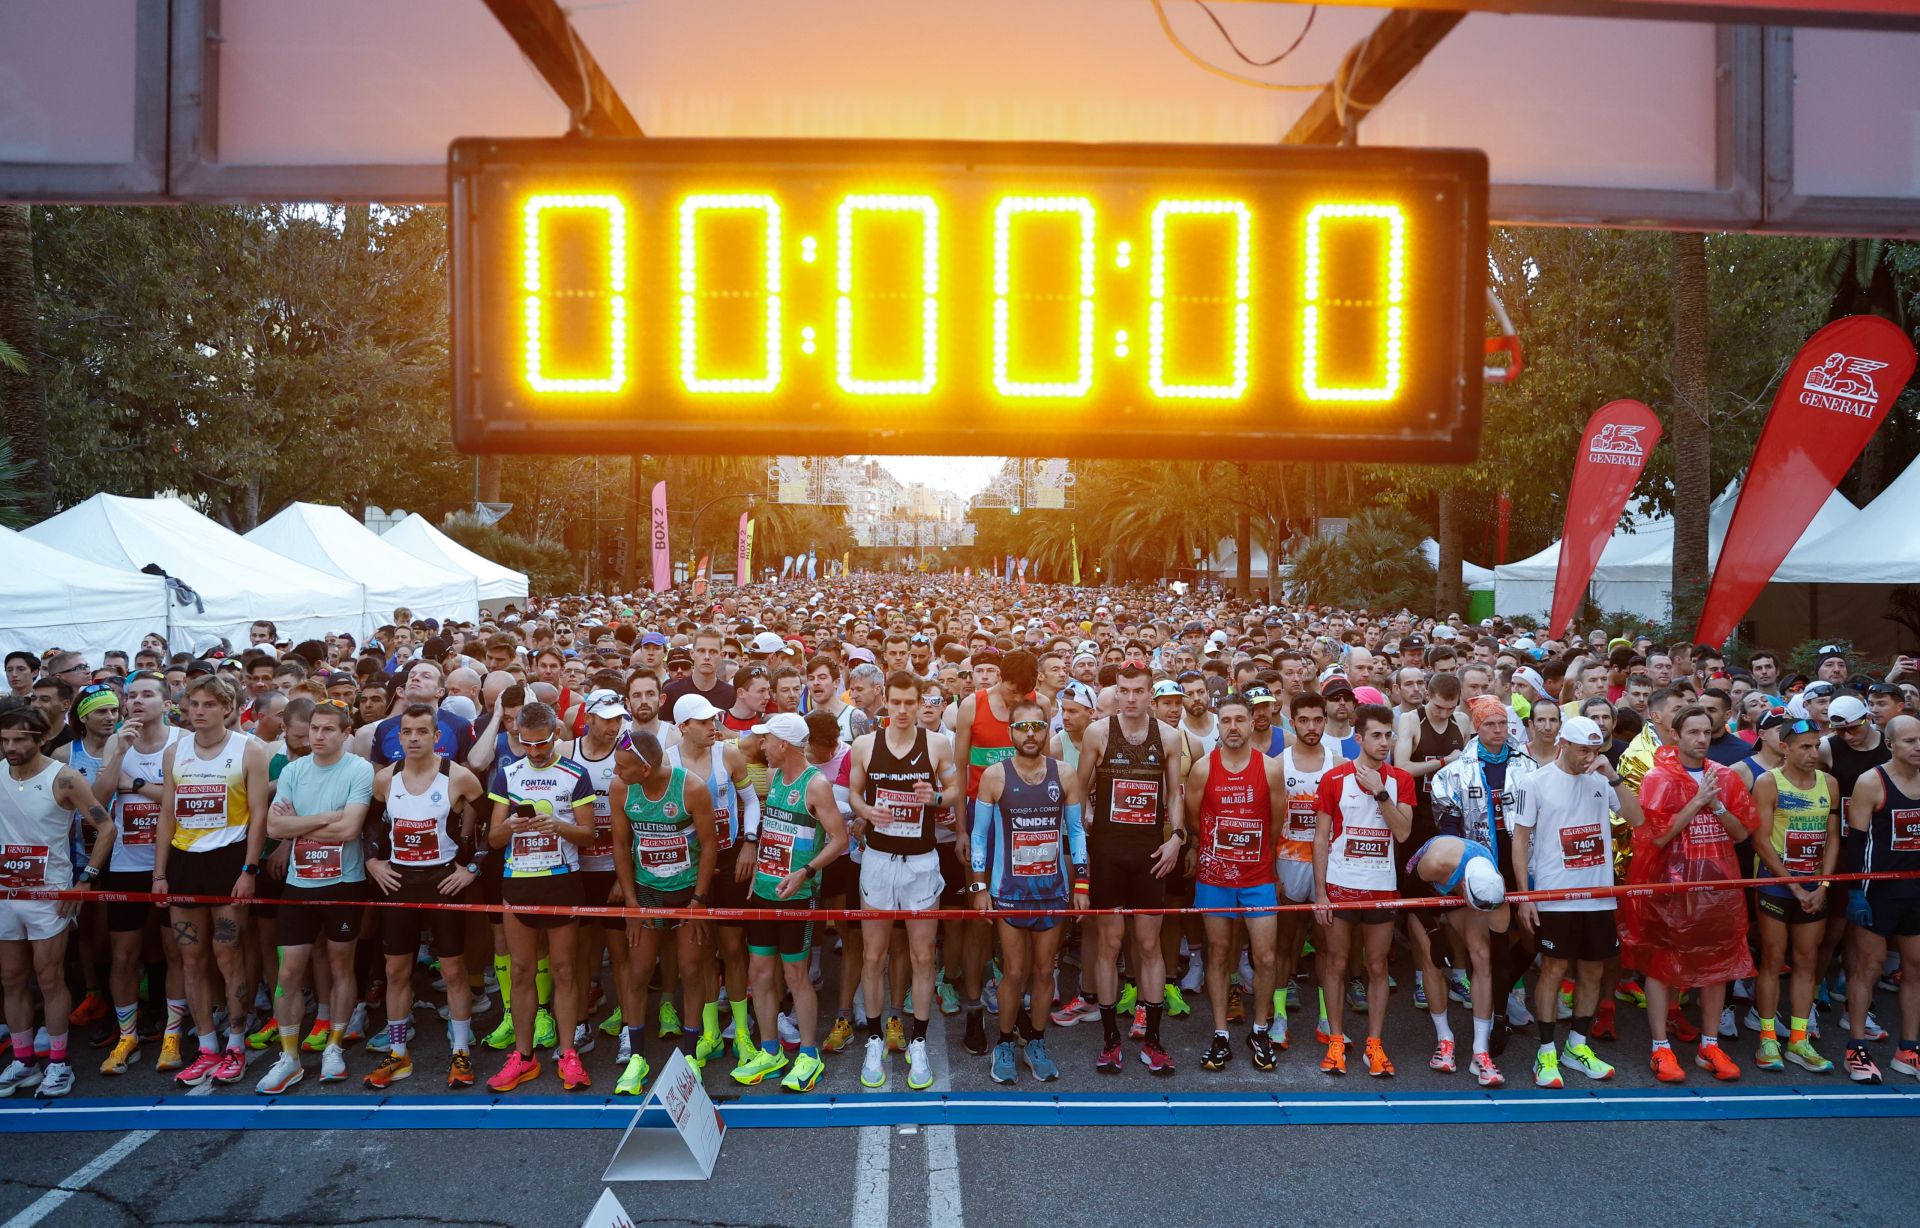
[1028,726]
[531,743]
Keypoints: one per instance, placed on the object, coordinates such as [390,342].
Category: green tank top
[789,836]
[1800,823]
[666,847]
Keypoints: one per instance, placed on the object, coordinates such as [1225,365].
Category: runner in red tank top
[1236,803]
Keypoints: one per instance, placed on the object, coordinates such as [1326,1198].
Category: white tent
[1635,572]
[237,582]
[334,542]
[1472,575]
[54,600]
[420,539]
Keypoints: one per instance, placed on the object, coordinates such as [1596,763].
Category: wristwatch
[697,900]
[250,868]
[1382,796]
[139,783]
[1180,834]
[473,868]
[89,874]
[975,888]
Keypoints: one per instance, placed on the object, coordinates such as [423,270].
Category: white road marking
[871,1167]
[943,1149]
[82,1177]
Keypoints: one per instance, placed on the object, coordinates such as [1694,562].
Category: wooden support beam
[1369,71]
[545,35]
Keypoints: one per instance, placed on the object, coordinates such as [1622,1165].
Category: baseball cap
[1846,710]
[1166,687]
[1336,684]
[1816,689]
[766,643]
[1582,731]
[680,656]
[787,726]
[1774,718]
[1531,677]
[1257,695]
[1078,692]
[1413,641]
[1482,883]
[1444,632]
[605,704]
[693,706]
[653,639]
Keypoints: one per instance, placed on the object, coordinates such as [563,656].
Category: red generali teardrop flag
[1613,451]
[1834,396]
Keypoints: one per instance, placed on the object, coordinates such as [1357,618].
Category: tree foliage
[1377,563]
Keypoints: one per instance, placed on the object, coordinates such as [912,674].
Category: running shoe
[1583,1059]
[91,1009]
[758,1066]
[1729,1026]
[1680,1027]
[1335,1062]
[1219,1053]
[520,1068]
[316,1040]
[502,1035]
[126,1051]
[459,1070]
[56,1081]
[1666,1066]
[1321,1035]
[1129,997]
[1110,1059]
[388,1072]
[1236,1013]
[231,1068]
[1752,1020]
[1767,1055]
[1802,1054]
[788,1030]
[18,1076]
[896,1035]
[1420,989]
[1356,993]
[1603,1025]
[1546,1069]
[990,996]
[1518,1015]
[947,996]
[1074,1010]
[1860,1067]
[1630,992]
[623,1050]
[838,1035]
[169,1058]
[669,1019]
[1002,1069]
[1139,1029]
[1260,1049]
[633,1080]
[611,1025]
[1156,1059]
[1443,1059]
[382,1041]
[919,1068]
[1564,1010]
[1481,1067]
[1176,1002]
[1460,986]
[1378,1064]
[1906,1060]
[546,1033]
[975,1037]
[267,1034]
[704,1048]
[873,1068]
[1040,1062]
[583,1038]
[1712,1058]
[1871,1031]
[356,1029]
[805,1074]
[1278,1030]
[1813,1022]
[572,1073]
[333,1064]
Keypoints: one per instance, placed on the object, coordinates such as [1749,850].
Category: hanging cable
[1166,28]
[1228,36]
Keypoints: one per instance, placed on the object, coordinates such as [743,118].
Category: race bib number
[1036,854]
[602,845]
[1367,843]
[416,841]
[23,865]
[723,822]
[139,819]
[1135,802]
[903,812]
[662,854]
[1906,831]
[1806,850]
[198,807]
[534,850]
[1238,838]
[315,861]
[776,852]
[1583,847]
[1301,820]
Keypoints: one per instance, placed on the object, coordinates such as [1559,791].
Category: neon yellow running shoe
[634,1078]
[1767,1056]
[1129,998]
[545,1033]
[709,1044]
[805,1074]
[1583,1059]
[758,1066]
[611,1024]
[1802,1054]
[502,1035]
[268,1034]
[669,1020]
[1176,1002]
[317,1040]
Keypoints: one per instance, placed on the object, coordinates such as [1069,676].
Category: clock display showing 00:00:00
[1378,227]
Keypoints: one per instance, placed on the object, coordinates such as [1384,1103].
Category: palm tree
[1692,436]
[23,399]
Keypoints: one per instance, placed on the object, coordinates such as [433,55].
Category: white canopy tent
[332,541]
[1472,575]
[54,600]
[1635,572]
[418,537]
[237,582]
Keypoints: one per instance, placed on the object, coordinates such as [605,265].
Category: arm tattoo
[185,933]
[99,815]
[226,931]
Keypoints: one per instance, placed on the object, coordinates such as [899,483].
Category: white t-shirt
[1572,834]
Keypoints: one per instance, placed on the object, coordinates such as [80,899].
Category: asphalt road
[1849,1170]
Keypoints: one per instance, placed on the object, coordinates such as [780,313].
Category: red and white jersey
[1303,798]
[1359,840]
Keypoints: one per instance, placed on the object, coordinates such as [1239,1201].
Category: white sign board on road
[675,1135]
[608,1213]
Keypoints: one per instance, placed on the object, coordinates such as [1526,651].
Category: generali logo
[1617,443]
[1842,384]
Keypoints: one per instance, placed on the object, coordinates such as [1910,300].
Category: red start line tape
[292,896]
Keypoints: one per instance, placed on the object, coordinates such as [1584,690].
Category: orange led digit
[1233,384]
[1391,223]
[693,374]
[1004,212]
[534,284]
[850,379]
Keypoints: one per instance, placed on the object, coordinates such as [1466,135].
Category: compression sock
[876,1026]
[125,1017]
[57,1048]
[1154,1012]
[1109,1024]
[1546,1028]
[176,1015]
[397,1037]
[919,1028]
[543,984]
[503,973]
[636,1036]
[710,1018]
[742,1021]
[290,1038]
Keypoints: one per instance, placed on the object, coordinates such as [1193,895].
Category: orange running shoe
[1714,1058]
[92,1009]
[1680,1026]
[1378,1064]
[1335,1063]
[1666,1067]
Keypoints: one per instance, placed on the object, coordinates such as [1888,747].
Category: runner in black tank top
[1434,744]
[1885,912]
[890,781]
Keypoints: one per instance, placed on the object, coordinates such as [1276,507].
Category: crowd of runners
[990,755]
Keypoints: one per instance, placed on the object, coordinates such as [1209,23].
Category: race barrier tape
[593,911]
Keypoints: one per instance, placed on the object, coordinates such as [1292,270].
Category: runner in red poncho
[1697,812]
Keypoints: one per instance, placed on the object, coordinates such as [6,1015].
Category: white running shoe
[1729,1027]
[625,1052]
[919,1068]
[873,1069]
[282,1075]
[333,1064]
[18,1076]
[583,1038]
[789,1030]
[55,1081]
[1518,1015]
